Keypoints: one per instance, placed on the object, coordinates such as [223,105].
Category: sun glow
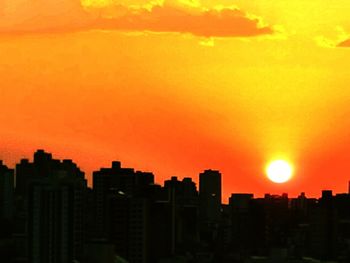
[279,171]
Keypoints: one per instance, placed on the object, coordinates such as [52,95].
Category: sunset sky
[179,86]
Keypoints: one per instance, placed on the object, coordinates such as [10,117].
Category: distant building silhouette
[122,205]
[210,195]
[6,192]
[53,217]
[56,213]
[6,211]
[243,232]
[56,220]
[323,228]
[112,180]
[184,209]
[209,205]
[42,166]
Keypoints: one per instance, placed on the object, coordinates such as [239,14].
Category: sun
[279,171]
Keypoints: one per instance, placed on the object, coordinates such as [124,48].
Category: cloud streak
[225,22]
[29,16]
[345,43]
[340,39]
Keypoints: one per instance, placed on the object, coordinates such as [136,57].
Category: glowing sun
[279,171]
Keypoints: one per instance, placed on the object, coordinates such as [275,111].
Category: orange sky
[179,86]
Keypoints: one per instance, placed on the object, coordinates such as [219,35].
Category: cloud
[29,16]
[340,39]
[225,22]
[345,43]
[325,42]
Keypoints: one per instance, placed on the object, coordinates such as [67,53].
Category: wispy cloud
[29,16]
[224,22]
[341,39]
[345,43]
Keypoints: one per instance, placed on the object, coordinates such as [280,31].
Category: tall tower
[115,180]
[56,207]
[210,195]
[56,220]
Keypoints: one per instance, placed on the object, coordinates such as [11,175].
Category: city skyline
[195,178]
[49,214]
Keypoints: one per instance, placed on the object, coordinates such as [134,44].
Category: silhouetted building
[300,204]
[184,212]
[6,192]
[27,171]
[6,212]
[242,222]
[209,205]
[210,195]
[107,181]
[277,219]
[53,217]
[43,165]
[24,172]
[162,230]
[324,228]
[56,216]
[129,227]
[299,224]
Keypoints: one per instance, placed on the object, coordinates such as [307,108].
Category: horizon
[195,178]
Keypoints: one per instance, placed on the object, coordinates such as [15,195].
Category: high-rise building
[42,166]
[209,206]
[24,173]
[210,195]
[247,224]
[56,213]
[276,210]
[139,230]
[241,220]
[6,192]
[108,181]
[324,234]
[56,220]
[183,204]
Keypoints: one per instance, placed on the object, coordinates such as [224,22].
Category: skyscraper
[108,181]
[209,206]
[210,195]
[56,215]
